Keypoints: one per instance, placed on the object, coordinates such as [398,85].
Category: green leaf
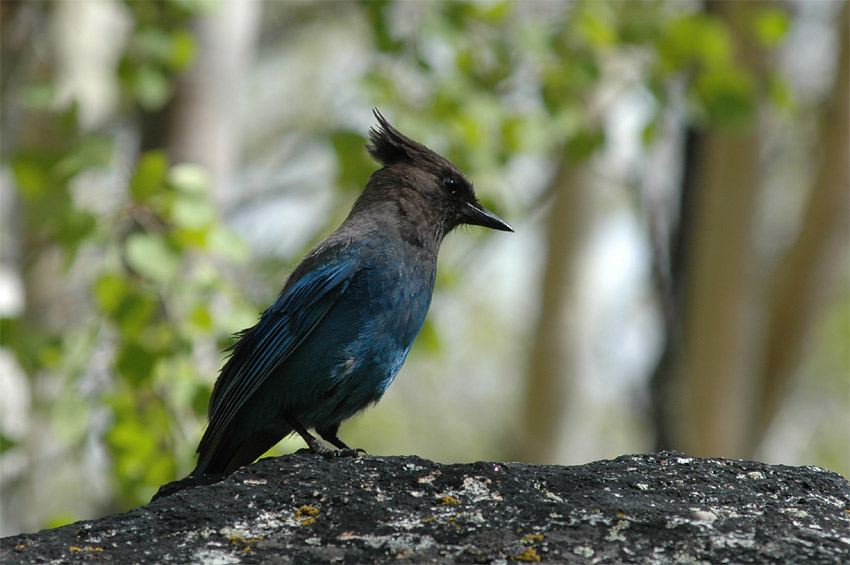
[771,26]
[596,25]
[201,317]
[149,176]
[50,356]
[70,419]
[6,443]
[354,164]
[152,87]
[38,96]
[182,51]
[153,43]
[160,469]
[584,143]
[189,178]
[491,12]
[134,444]
[193,7]
[192,212]
[650,132]
[110,292]
[692,39]
[227,244]
[781,93]
[134,315]
[74,227]
[728,95]
[188,238]
[375,12]
[31,176]
[235,320]
[201,400]
[161,338]
[27,340]
[150,255]
[60,518]
[88,152]
[429,338]
[134,363]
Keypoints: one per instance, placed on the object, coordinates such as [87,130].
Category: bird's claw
[331,453]
[347,452]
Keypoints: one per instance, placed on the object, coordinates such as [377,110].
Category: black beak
[476,214]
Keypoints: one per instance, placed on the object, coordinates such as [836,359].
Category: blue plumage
[341,328]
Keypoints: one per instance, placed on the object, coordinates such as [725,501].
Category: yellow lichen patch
[21,546]
[86,548]
[448,499]
[528,555]
[621,515]
[237,541]
[307,515]
[532,537]
[429,519]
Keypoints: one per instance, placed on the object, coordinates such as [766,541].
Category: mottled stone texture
[301,508]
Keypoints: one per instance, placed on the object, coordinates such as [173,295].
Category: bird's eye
[451,184]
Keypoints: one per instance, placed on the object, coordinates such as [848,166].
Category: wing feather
[263,348]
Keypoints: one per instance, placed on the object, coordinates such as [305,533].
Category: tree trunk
[715,371]
[203,116]
[808,270]
[553,362]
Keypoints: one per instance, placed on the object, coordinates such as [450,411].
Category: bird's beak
[476,214]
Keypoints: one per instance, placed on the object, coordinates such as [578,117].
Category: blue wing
[262,349]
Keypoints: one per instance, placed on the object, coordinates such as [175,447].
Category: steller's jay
[341,328]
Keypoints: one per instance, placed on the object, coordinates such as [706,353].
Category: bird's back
[321,357]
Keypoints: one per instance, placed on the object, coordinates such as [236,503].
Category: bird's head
[423,175]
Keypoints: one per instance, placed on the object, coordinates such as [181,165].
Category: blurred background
[676,172]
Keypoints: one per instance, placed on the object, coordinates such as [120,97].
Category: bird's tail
[226,458]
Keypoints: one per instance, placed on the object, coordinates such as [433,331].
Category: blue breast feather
[330,344]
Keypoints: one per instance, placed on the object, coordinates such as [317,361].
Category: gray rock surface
[660,508]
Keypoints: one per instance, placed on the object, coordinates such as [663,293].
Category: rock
[301,508]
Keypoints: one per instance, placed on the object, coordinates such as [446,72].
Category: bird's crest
[388,145]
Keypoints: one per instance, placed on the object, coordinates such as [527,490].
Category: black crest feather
[388,145]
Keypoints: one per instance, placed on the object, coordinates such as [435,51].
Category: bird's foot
[330,452]
[319,448]
[340,449]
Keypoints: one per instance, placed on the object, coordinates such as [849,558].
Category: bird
[339,331]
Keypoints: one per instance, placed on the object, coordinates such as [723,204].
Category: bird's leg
[329,434]
[315,444]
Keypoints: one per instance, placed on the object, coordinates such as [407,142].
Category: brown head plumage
[407,164]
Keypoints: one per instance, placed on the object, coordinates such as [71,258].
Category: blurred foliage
[160,46]
[162,291]
[354,163]
[492,53]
